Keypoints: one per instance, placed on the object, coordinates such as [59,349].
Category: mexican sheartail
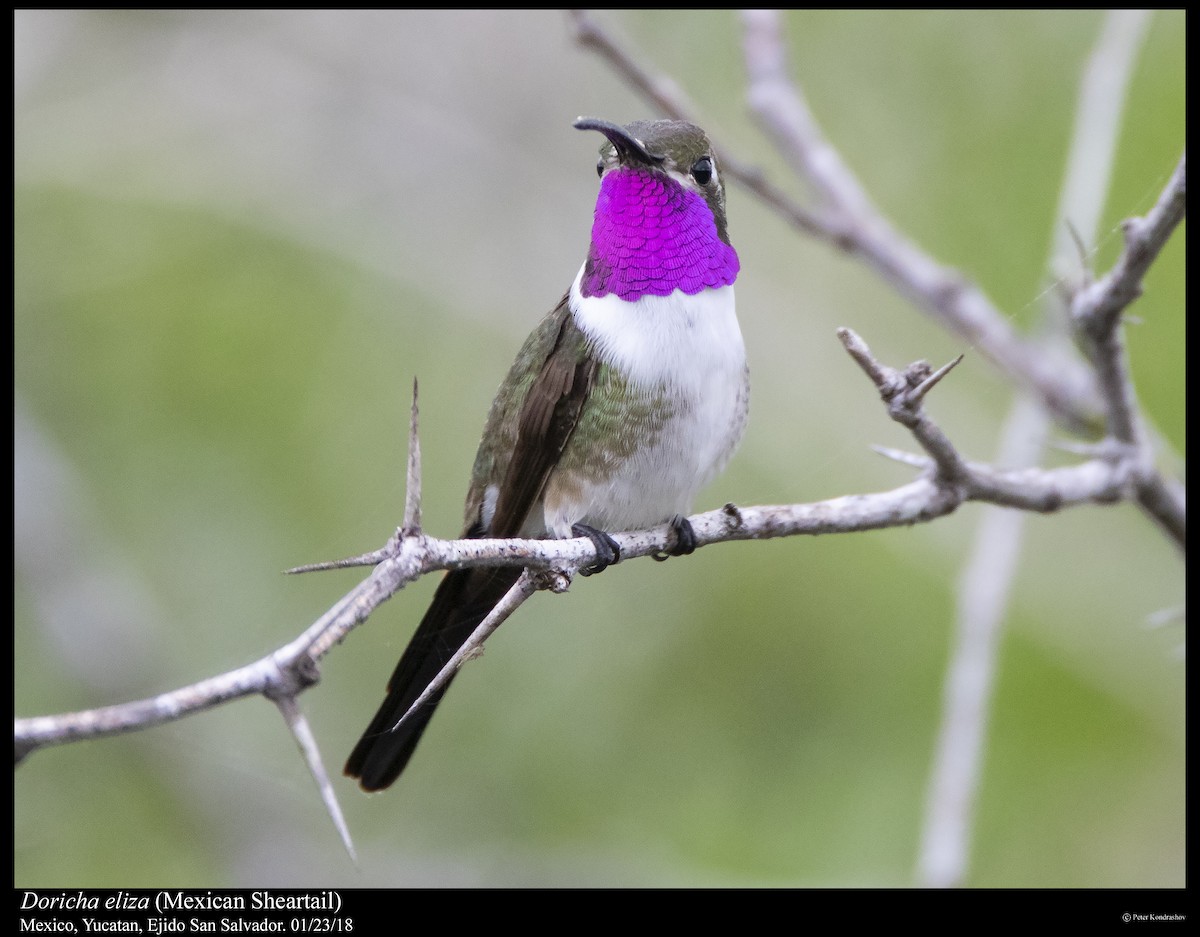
[627,399]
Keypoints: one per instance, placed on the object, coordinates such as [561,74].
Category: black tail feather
[461,602]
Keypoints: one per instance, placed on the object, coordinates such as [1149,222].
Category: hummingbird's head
[659,224]
[676,148]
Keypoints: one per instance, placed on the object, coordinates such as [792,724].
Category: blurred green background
[238,236]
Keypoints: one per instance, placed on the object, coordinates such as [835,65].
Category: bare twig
[1096,311]
[988,574]
[521,590]
[1062,384]
[669,98]
[258,677]
[1097,308]
[903,393]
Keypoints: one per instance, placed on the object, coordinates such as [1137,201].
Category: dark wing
[547,419]
[543,424]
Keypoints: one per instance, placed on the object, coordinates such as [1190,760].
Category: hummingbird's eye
[702,171]
[600,167]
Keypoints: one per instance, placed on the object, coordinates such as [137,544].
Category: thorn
[1077,238]
[374,558]
[302,733]
[412,488]
[905,458]
[918,393]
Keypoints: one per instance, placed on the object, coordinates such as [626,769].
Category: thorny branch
[947,480]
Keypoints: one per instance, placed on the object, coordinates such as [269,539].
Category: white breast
[690,346]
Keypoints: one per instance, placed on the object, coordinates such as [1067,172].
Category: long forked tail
[461,602]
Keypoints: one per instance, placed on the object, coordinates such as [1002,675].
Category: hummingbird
[628,398]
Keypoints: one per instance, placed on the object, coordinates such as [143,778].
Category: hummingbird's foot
[607,550]
[685,539]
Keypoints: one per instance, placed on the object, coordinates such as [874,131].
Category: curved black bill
[627,146]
